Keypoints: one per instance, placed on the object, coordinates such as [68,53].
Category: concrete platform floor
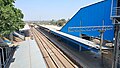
[28,55]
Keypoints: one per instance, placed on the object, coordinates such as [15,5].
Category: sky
[37,10]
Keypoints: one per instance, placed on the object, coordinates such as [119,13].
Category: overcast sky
[51,9]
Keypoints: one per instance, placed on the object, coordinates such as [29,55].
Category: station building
[92,15]
[96,15]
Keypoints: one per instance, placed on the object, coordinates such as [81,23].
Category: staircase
[115,11]
[115,15]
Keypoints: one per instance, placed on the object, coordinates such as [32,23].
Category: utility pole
[101,43]
[116,57]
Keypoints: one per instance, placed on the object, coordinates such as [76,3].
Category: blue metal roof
[92,15]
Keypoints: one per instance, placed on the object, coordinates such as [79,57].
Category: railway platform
[27,55]
[85,58]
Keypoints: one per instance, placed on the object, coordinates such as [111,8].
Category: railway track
[54,58]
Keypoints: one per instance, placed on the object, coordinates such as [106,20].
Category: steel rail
[50,52]
[56,55]
[58,50]
[48,59]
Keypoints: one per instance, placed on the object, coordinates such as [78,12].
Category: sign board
[89,28]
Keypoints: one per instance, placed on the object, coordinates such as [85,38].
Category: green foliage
[10,17]
[61,22]
[53,22]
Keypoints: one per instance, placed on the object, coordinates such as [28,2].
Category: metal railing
[115,12]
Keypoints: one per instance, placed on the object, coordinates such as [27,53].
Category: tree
[10,17]
[61,22]
[53,22]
